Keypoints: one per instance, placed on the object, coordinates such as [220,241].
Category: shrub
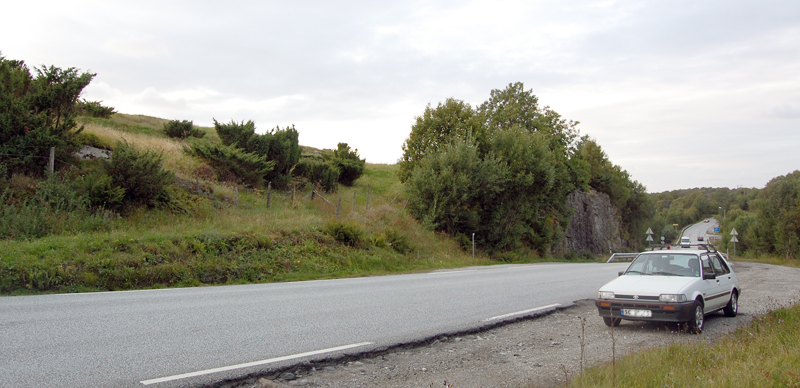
[139,173]
[348,233]
[95,109]
[101,192]
[182,129]
[317,171]
[249,167]
[347,161]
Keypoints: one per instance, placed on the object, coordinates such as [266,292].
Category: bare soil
[538,352]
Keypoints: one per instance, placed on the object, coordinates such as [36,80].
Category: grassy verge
[764,354]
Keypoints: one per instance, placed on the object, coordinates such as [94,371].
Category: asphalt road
[700,229]
[194,336]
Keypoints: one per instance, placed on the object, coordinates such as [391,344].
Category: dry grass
[175,159]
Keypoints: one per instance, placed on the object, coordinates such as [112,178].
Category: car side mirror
[707,276]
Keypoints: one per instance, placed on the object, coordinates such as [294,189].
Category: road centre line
[250,364]
[522,312]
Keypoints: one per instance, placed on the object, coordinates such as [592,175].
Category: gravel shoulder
[536,352]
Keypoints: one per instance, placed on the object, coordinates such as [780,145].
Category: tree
[435,129]
[449,189]
[37,113]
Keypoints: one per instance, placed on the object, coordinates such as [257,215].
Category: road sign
[649,238]
[734,232]
[734,239]
[716,229]
[649,231]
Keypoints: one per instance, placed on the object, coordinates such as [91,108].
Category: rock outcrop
[594,227]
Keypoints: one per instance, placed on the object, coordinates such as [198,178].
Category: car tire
[698,318]
[611,321]
[732,308]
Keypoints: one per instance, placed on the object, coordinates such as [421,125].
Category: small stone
[330,368]
[288,376]
[265,383]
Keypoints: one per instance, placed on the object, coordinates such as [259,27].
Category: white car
[671,286]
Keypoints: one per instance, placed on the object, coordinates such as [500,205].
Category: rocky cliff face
[594,227]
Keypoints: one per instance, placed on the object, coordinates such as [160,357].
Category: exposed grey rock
[594,227]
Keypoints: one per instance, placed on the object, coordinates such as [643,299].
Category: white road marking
[451,272]
[254,363]
[522,312]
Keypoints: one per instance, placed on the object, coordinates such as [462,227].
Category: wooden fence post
[236,194]
[338,207]
[269,193]
[52,161]
[369,197]
[354,203]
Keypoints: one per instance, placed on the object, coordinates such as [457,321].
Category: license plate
[636,313]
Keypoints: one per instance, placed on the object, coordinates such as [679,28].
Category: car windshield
[665,264]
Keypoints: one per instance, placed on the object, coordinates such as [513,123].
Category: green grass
[217,241]
[764,354]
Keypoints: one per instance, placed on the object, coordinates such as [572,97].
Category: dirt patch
[540,352]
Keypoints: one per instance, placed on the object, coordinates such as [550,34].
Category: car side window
[707,269]
[719,268]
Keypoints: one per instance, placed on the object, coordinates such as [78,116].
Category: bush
[348,233]
[182,129]
[95,109]
[347,161]
[249,167]
[139,173]
[318,172]
[101,192]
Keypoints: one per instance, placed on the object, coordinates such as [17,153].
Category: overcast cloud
[681,94]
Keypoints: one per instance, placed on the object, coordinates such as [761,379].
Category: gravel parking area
[537,352]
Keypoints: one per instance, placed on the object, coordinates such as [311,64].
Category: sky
[681,94]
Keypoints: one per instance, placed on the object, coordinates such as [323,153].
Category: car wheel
[698,318]
[611,321]
[733,306]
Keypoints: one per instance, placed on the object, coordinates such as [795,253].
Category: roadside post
[734,240]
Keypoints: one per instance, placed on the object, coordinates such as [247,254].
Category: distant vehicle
[699,238]
[671,286]
[686,242]
[706,220]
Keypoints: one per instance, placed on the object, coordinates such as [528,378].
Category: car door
[724,277]
[713,292]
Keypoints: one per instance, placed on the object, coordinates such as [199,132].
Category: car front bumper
[664,312]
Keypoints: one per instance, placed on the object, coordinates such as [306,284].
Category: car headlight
[605,295]
[672,298]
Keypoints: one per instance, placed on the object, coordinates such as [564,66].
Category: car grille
[636,297]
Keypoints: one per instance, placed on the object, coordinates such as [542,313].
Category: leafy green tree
[515,106]
[37,113]
[449,189]
[523,212]
[435,129]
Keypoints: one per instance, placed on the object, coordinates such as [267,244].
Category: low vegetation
[763,354]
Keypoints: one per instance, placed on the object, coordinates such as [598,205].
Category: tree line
[767,219]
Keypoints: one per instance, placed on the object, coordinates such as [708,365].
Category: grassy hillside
[228,235]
